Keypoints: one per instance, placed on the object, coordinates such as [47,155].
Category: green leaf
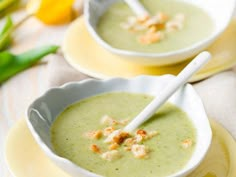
[12,8]
[4,4]
[5,35]
[12,64]
[34,55]
[5,58]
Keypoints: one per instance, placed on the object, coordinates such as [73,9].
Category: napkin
[60,72]
[218,92]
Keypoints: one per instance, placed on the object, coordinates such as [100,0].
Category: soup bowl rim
[74,169]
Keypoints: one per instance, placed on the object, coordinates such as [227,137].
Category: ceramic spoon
[137,8]
[166,93]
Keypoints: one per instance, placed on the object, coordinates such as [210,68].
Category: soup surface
[168,151]
[196,26]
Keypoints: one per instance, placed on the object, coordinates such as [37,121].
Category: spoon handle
[137,8]
[163,96]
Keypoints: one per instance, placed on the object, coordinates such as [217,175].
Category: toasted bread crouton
[124,122]
[107,120]
[152,134]
[150,38]
[139,138]
[108,130]
[173,26]
[162,17]
[127,148]
[129,142]
[95,148]
[120,138]
[152,29]
[113,146]
[117,136]
[139,151]
[187,143]
[143,18]
[141,132]
[94,134]
[110,155]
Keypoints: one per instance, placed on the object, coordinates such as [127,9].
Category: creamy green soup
[167,155]
[197,26]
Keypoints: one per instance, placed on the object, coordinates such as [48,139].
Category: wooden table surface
[33,33]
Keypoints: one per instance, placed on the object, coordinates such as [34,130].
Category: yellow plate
[26,159]
[84,54]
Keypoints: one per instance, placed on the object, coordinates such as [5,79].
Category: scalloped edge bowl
[220,12]
[45,109]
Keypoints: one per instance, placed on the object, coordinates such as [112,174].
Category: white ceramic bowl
[221,12]
[44,110]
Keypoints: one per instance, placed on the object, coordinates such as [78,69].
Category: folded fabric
[60,72]
[218,94]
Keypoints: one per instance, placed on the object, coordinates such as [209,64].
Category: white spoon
[137,8]
[166,93]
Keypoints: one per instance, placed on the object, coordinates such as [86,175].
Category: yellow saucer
[84,54]
[26,159]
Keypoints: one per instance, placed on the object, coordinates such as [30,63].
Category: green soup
[166,152]
[197,26]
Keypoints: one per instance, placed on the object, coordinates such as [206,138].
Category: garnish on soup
[129,142]
[153,28]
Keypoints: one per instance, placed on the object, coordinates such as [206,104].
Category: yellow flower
[51,11]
